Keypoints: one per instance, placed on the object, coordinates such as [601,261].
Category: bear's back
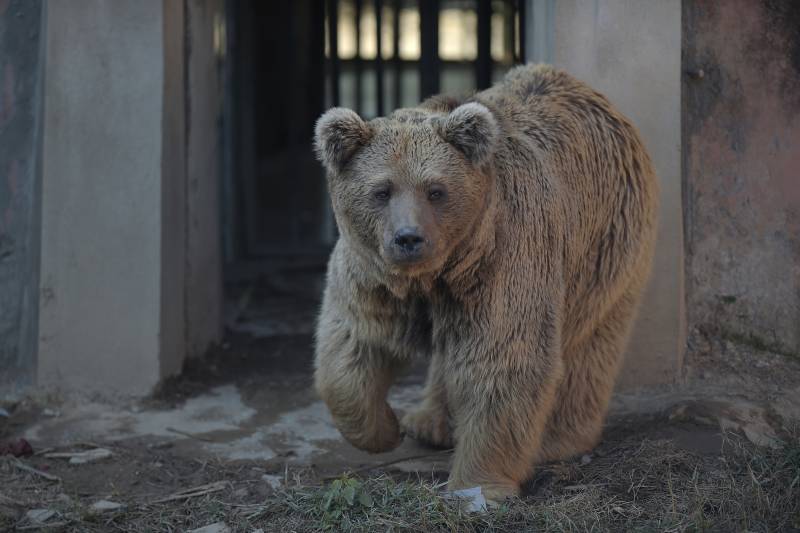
[586,166]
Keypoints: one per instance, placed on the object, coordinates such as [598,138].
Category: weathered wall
[742,169]
[111,307]
[130,260]
[20,81]
[631,51]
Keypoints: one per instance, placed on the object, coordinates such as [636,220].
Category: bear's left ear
[472,129]
[339,133]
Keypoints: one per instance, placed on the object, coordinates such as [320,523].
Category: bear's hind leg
[590,369]
[430,422]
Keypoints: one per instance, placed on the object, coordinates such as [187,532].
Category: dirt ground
[239,441]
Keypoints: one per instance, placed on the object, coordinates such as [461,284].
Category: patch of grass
[350,504]
[653,487]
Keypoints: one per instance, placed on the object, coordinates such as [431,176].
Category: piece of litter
[104,506]
[79,458]
[39,516]
[217,527]
[17,448]
[273,481]
[586,459]
[472,498]
[161,445]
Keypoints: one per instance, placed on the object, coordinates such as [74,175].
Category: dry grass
[653,487]
[643,486]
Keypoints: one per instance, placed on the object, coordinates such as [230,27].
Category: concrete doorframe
[130,255]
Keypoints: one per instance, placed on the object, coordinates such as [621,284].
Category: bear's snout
[409,242]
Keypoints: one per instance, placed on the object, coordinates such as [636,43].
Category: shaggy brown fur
[533,210]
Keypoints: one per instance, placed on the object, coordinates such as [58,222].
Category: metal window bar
[429,47]
[379,56]
[483,64]
[429,64]
[333,47]
[398,65]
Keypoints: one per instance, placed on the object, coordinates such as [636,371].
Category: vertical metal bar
[429,60]
[333,46]
[398,67]
[379,57]
[521,29]
[357,60]
[483,66]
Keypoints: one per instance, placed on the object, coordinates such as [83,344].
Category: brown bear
[508,237]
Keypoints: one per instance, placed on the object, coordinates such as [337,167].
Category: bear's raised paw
[430,426]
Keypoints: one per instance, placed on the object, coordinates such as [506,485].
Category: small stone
[53,413]
[273,481]
[89,456]
[105,506]
[586,459]
[39,516]
[218,527]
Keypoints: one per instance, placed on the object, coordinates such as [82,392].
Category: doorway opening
[287,62]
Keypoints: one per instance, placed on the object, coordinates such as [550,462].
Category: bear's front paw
[430,426]
[380,433]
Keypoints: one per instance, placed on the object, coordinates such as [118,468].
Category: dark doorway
[287,62]
[276,91]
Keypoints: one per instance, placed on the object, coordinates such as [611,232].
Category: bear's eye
[434,195]
[381,195]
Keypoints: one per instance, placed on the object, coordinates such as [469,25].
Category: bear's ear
[339,133]
[472,129]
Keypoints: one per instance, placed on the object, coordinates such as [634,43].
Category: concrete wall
[20,113]
[742,169]
[118,217]
[100,317]
[631,51]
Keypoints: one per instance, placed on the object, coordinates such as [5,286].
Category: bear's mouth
[411,264]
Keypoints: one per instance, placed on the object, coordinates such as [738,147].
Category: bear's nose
[409,240]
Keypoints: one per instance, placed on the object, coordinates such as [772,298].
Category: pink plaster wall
[741,137]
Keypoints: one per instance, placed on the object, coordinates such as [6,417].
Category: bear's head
[408,188]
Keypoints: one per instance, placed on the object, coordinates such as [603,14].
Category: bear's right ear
[339,133]
[472,129]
